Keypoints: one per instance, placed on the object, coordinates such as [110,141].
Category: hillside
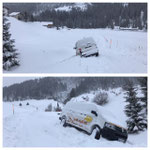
[33,7]
[61,88]
[84,15]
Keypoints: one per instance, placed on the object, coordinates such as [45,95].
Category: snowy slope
[44,50]
[30,127]
[81,6]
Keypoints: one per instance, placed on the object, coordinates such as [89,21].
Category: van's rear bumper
[90,52]
[111,134]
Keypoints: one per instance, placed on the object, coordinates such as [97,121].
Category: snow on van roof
[107,115]
[85,41]
[79,105]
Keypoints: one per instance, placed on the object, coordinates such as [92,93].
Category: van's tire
[97,54]
[123,140]
[63,121]
[97,130]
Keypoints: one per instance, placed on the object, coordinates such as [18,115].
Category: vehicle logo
[88,119]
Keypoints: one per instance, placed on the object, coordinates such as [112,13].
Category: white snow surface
[47,50]
[29,127]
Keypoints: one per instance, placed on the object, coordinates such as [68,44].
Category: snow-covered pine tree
[143,83]
[10,56]
[133,109]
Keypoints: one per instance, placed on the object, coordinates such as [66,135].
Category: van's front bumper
[111,134]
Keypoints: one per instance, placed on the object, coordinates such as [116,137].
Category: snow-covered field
[32,127]
[44,50]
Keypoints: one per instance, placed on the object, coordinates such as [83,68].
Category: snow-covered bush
[101,98]
[20,104]
[85,98]
[49,108]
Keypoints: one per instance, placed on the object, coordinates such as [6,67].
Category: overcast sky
[11,80]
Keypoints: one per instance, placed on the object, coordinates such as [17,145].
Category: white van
[86,47]
[90,117]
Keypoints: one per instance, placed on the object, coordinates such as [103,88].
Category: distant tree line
[51,87]
[95,83]
[99,15]
[34,89]
[88,84]
[25,16]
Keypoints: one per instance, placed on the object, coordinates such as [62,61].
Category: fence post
[13,109]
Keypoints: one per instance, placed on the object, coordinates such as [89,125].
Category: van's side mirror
[94,112]
[75,48]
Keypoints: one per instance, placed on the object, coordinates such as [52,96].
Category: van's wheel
[63,121]
[96,132]
[122,140]
[97,54]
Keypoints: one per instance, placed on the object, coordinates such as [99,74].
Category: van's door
[81,119]
[79,116]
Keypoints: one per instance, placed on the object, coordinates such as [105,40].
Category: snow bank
[34,105]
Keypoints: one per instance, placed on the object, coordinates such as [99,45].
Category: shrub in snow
[20,104]
[85,98]
[134,110]
[49,108]
[27,104]
[101,98]
[9,52]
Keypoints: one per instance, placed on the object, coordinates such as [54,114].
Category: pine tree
[133,110]
[72,93]
[143,83]
[9,52]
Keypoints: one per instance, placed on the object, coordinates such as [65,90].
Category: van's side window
[94,112]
